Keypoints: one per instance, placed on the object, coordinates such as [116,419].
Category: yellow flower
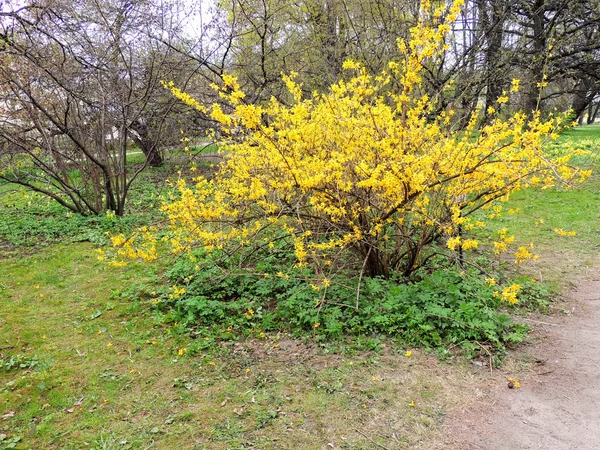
[408,354]
[453,242]
[515,85]
[522,255]
[514,383]
[350,64]
[562,232]
[509,294]
[411,404]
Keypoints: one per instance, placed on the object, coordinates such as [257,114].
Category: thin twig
[484,348]
[362,271]
[372,441]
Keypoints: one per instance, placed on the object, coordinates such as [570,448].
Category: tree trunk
[141,136]
[585,91]
[492,17]
[532,95]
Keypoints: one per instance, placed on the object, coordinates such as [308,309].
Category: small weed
[8,443]
[228,431]
[265,417]
[18,362]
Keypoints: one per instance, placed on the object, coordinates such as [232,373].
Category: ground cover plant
[30,219]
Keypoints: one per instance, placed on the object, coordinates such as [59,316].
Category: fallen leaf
[224,402]
[70,410]
[8,415]
[46,405]
[78,402]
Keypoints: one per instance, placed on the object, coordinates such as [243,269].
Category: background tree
[78,82]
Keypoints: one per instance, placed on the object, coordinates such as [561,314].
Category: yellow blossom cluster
[562,232]
[140,245]
[361,170]
[509,293]
[502,245]
[523,254]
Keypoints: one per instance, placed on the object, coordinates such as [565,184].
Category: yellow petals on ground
[562,232]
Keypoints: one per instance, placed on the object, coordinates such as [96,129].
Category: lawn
[88,361]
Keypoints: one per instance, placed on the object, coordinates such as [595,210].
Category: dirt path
[558,404]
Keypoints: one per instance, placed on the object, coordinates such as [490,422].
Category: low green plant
[14,362]
[9,443]
[28,219]
[445,308]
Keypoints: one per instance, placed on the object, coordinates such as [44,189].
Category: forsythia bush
[361,177]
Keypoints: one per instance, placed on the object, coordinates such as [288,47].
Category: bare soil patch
[558,404]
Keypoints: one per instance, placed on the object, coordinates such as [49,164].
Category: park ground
[86,361]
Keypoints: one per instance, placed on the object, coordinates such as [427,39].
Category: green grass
[29,220]
[540,212]
[107,374]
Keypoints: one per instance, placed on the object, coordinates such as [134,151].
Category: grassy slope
[116,380]
[578,210]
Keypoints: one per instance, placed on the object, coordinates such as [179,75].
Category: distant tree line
[539,42]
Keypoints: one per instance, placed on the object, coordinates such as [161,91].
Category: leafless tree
[78,82]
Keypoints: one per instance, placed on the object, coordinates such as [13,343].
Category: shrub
[362,176]
[326,208]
